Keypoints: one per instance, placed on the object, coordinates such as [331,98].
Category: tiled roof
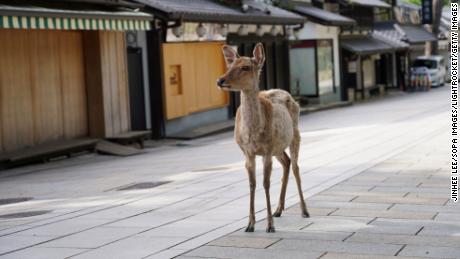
[386,32]
[212,11]
[370,3]
[323,16]
[391,37]
[366,45]
[415,33]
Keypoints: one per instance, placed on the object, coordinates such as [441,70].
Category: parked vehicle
[436,66]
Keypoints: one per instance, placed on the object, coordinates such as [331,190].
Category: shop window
[303,68]
[312,68]
[325,66]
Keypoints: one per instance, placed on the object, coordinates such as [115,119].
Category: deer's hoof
[270,229]
[249,228]
[277,213]
[305,214]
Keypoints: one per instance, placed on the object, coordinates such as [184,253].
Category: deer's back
[283,98]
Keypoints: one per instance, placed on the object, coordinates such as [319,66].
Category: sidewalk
[197,193]
[399,207]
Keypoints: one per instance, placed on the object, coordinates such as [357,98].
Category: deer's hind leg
[267,174]
[294,151]
[285,162]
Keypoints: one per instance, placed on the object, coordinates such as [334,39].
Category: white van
[436,68]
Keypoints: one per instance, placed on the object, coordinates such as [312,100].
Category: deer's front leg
[251,168]
[267,174]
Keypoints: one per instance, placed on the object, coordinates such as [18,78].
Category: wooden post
[107,83]
[359,76]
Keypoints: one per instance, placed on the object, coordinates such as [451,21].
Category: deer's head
[242,72]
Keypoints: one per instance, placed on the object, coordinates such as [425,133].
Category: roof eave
[228,19]
[93,14]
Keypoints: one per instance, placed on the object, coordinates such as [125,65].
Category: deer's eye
[245,68]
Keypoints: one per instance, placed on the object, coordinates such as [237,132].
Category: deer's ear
[259,54]
[230,54]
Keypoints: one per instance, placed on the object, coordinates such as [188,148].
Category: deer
[266,124]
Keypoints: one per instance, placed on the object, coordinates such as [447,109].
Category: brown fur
[266,124]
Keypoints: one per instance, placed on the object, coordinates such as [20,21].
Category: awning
[369,3]
[323,17]
[34,17]
[415,34]
[366,45]
[250,12]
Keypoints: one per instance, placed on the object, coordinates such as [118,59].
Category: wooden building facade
[63,73]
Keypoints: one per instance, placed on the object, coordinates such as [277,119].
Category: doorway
[136,89]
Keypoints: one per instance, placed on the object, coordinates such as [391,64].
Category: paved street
[375,176]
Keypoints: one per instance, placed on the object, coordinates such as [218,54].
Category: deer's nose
[220,82]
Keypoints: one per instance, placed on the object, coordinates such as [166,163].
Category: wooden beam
[92,50]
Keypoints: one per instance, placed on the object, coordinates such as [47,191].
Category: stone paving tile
[399,184]
[251,253]
[407,178]
[92,238]
[404,200]
[167,254]
[295,210]
[212,235]
[14,242]
[148,220]
[454,225]
[336,246]
[441,230]
[64,227]
[244,241]
[190,257]
[304,234]
[447,241]
[332,198]
[383,214]
[435,184]
[444,216]
[44,253]
[288,223]
[363,228]
[411,189]
[345,187]
[133,247]
[331,223]
[430,251]
[362,256]
[353,205]
[427,195]
[184,228]
[425,208]
[401,193]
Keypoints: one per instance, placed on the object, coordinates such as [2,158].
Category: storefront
[362,59]
[398,61]
[63,73]
[185,58]
[314,56]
